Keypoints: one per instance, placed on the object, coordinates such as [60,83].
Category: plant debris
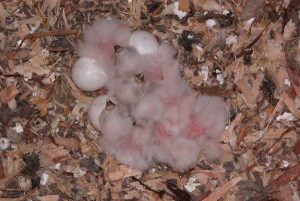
[244,51]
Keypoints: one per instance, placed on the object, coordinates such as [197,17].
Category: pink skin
[129,144]
[155,69]
[155,74]
[107,49]
[194,128]
[161,132]
[170,102]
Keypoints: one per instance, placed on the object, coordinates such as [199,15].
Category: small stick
[44,34]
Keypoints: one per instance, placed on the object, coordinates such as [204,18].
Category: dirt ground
[246,51]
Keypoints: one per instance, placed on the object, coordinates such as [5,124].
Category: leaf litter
[254,45]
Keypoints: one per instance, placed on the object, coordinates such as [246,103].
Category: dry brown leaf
[2,174]
[207,5]
[276,133]
[272,51]
[12,104]
[256,85]
[248,96]
[37,63]
[251,9]
[4,182]
[197,79]
[294,77]
[279,76]
[222,190]
[48,198]
[243,132]
[34,20]
[3,12]
[136,8]
[229,135]
[296,148]
[203,175]
[51,154]
[289,102]
[116,196]
[91,188]
[184,5]
[121,172]
[284,193]
[288,176]
[50,17]
[41,103]
[8,94]
[34,65]
[70,143]
[10,199]
[14,162]
[89,148]
[23,31]
[273,113]
[49,5]
[197,51]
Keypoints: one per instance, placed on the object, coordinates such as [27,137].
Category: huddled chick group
[149,113]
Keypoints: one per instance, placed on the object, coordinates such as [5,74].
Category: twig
[4,182]
[278,140]
[48,33]
[25,197]
[253,42]
[222,190]
[212,16]
[160,193]
[2,175]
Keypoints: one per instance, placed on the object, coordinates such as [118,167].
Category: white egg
[144,42]
[4,143]
[95,110]
[88,75]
